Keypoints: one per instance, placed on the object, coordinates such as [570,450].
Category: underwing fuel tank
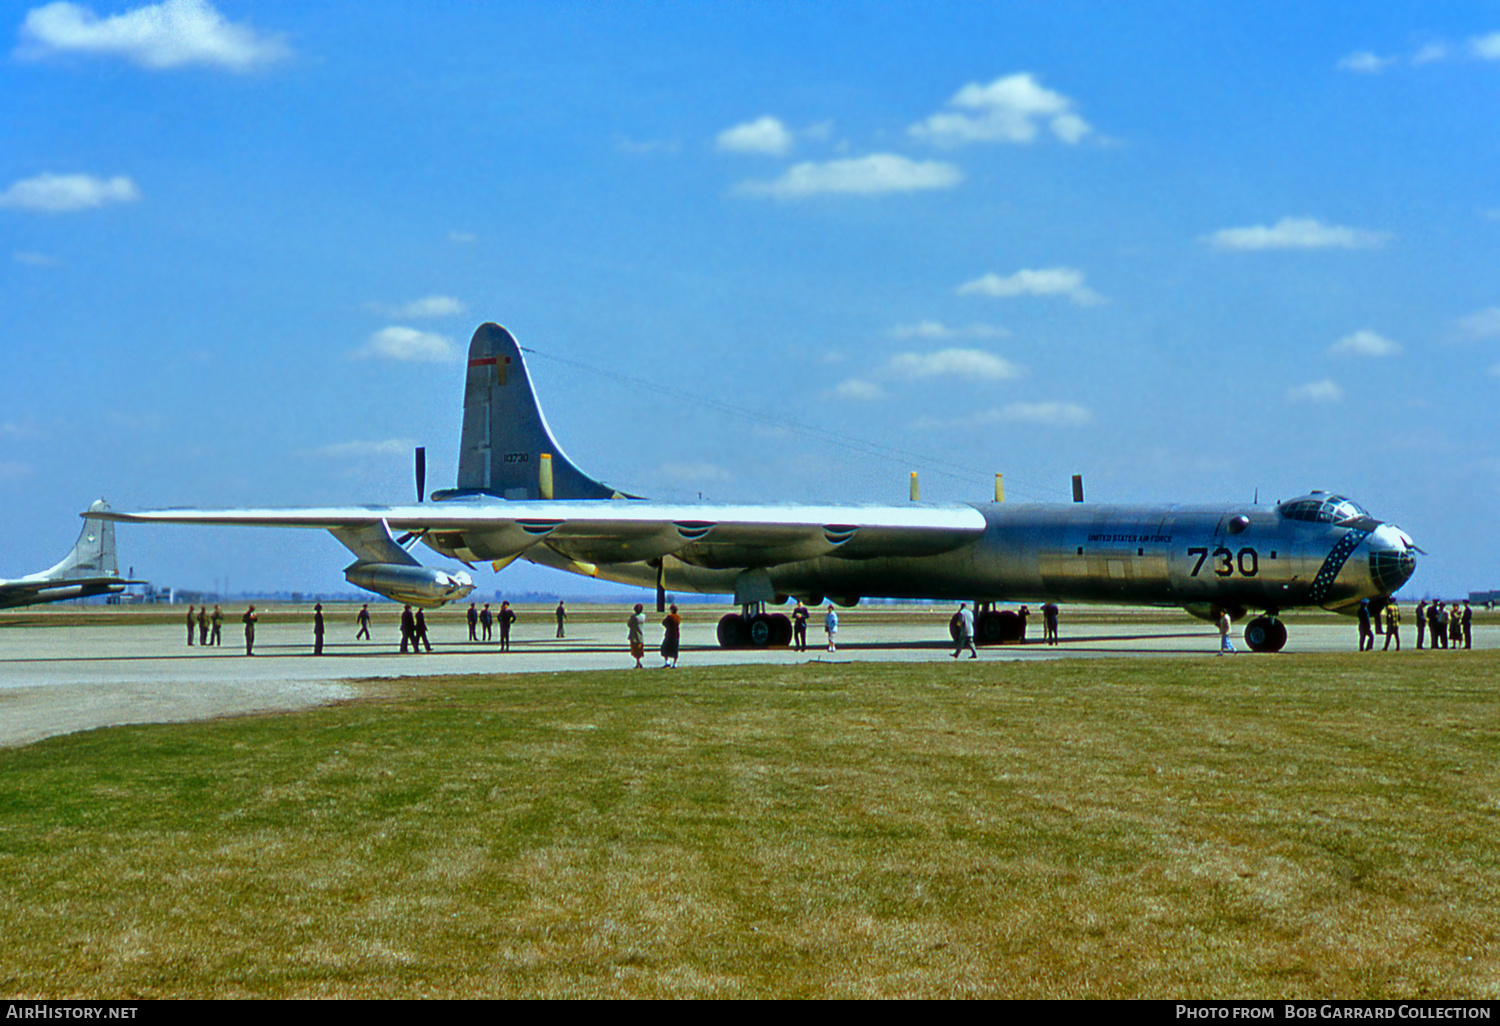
[419,585]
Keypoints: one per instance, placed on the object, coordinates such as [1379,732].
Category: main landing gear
[753,627]
[1265,633]
[993,626]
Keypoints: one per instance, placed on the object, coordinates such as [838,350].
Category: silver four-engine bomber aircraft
[89,569]
[519,496]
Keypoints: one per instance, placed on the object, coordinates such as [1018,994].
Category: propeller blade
[421,473]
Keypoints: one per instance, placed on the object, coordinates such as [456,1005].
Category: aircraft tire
[1265,634]
[732,632]
[997,628]
[764,630]
[783,625]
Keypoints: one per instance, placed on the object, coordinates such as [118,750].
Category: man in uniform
[249,621]
[318,629]
[507,617]
[363,619]
[473,623]
[562,617]
[191,626]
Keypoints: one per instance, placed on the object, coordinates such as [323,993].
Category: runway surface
[60,674]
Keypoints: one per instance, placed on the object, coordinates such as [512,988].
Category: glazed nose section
[1393,557]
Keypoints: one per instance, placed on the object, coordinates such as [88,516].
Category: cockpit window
[1321,508]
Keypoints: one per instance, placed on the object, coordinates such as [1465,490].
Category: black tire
[760,632]
[1265,634]
[732,631]
[783,624]
[998,628]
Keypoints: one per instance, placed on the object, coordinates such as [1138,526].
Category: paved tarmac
[57,678]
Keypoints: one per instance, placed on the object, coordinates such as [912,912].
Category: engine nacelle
[419,585]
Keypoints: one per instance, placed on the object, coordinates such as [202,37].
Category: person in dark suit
[419,635]
[507,617]
[408,629]
[318,629]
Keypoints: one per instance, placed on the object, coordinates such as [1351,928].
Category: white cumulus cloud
[1486,47]
[1365,63]
[939,330]
[1430,54]
[1324,391]
[1009,109]
[1050,414]
[1364,343]
[427,306]
[1296,233]
[1047,281]
[765,135]
[365,450]
[61,193]
[1047,414]
[862,176]
[1481,325]
[407,344]
[857,389]
[170,34]
[962,363]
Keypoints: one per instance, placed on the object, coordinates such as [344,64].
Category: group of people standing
[209,628]
[482,620]
[671,638]
[1445,625]
[205,627]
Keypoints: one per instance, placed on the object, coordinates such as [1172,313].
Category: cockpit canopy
[1322,508]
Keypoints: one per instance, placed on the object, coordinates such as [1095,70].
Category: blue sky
[1191,251]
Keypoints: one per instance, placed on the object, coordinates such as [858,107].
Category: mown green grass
[1310,826]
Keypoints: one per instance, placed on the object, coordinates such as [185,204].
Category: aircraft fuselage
[1237,558]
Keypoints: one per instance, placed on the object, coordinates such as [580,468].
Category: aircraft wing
[30,591]
[623,531]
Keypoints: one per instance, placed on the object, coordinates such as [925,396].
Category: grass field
[1292,827]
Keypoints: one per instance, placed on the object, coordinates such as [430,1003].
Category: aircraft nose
[1393,557]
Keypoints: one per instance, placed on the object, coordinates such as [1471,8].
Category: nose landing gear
[1265,633]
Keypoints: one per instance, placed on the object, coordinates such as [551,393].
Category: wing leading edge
[604,532]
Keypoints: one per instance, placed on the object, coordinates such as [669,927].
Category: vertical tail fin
[505,434]
[94,553]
